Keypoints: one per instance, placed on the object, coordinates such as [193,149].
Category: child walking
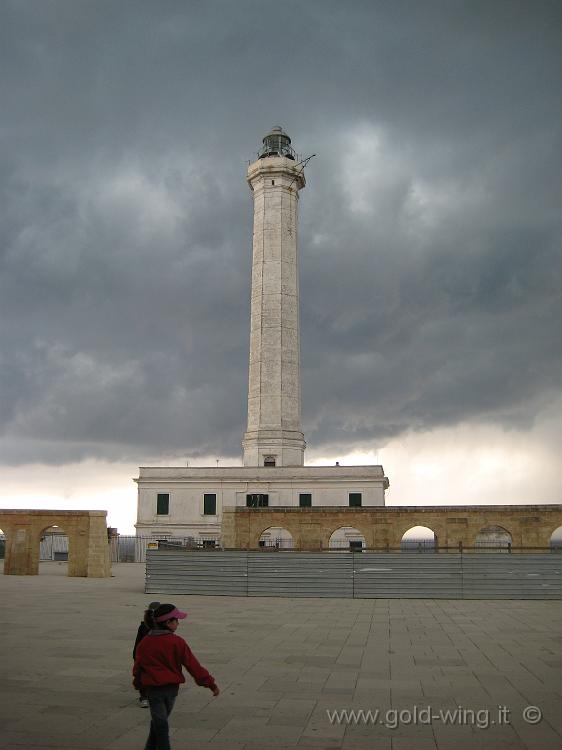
[159,659]
[141,632]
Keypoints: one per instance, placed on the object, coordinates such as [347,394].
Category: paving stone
[414,743]
[281,663]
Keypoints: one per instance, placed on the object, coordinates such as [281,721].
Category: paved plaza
[284,666]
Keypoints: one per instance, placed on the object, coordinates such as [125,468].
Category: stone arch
[276,537]
[87,540]
[54,543]
[541,535]
[405,526]
[37,532]
[476,527]
[383,528]
[364,530]
[8,531]
[346,538]
[418,539]
[257,529]
[555,541]
[493,538]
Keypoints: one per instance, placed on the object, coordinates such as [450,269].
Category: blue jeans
[161,700]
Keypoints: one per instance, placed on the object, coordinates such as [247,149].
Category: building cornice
[258,474]
[386,509]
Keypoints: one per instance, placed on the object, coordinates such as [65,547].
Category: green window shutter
[257,501]
[210,504]
[162,503]
[305,500]
[355,499]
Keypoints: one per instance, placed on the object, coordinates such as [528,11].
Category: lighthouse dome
[277,143]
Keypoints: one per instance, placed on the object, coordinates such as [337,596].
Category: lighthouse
[188,502]
[274,435]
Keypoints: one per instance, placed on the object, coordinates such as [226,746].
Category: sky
[430,240]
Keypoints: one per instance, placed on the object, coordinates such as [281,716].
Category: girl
[141,632]
[157,670]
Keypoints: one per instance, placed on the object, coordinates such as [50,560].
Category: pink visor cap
[174,614]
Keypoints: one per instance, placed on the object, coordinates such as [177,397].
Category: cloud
[429,227]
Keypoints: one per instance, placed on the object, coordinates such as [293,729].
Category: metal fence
[122,548]
[133,548]
[361,575]
[53,547]
[406,545]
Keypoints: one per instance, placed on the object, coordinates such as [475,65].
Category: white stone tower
[274,436]
[189,500]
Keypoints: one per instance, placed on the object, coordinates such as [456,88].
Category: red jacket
[159,659]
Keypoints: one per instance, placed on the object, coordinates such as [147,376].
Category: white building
[176,501]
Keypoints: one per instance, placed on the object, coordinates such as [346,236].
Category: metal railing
[133,548]
[460,548]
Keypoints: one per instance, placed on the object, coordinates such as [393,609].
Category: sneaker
[143,703]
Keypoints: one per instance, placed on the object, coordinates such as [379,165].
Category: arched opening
[53,547]
[276,537]
[493,539]
[556,540]
[418,539]
[347,539]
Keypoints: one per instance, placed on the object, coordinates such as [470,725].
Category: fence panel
[133,548]
[196,572]
[299,574]
[53,547]
[516,576]
[396,575]
[361,575]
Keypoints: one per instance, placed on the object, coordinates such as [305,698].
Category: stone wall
[88,548]
[311,528]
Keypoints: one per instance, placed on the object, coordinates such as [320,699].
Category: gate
[53,547]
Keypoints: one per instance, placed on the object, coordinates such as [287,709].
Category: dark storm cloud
[430,226]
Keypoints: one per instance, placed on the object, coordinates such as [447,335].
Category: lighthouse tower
[274,436]
[189,501]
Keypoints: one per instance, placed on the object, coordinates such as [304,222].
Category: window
[305,500]
[210,504]
[354,499]
[257,501]
[209,543]
[162,503]
[355,545]
[269,461]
